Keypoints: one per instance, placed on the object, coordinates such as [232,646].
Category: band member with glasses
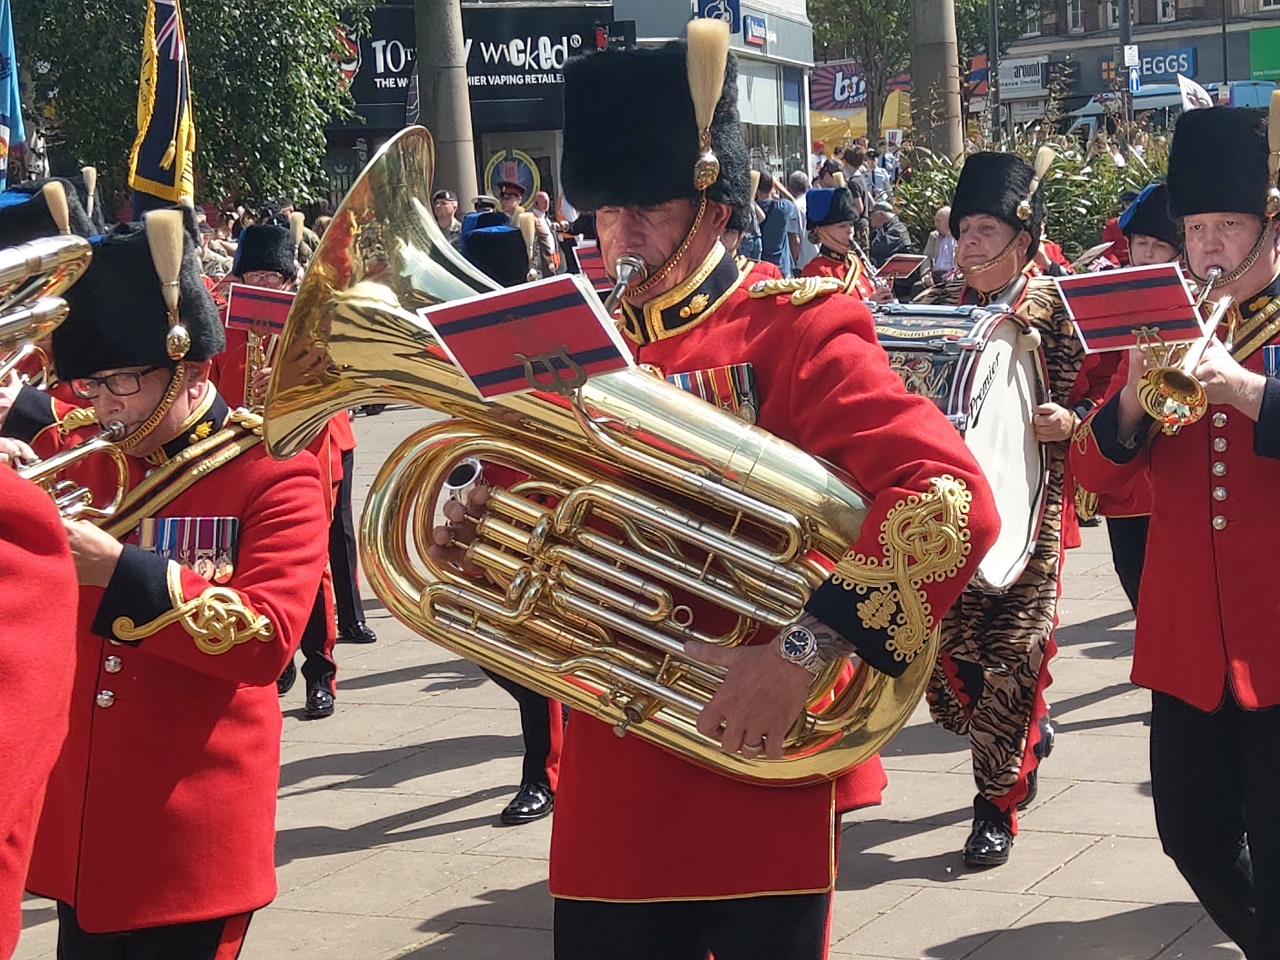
[158,830]
[267,257]
[628,814]
[1205,643]
[993,664]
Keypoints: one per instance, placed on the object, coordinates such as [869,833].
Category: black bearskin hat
[499,252]
[1149,216]
[118,316]
[738,220]
[994,184]
[266,246]
[24,214]
[1218,163]
[625,158]
[829,205]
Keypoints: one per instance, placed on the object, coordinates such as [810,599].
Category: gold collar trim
[205,420]
[686,305]
[1262,325]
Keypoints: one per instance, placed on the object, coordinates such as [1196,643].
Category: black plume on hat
[118,316]
[1218,163]
[1149,216]
[994,184]
[265,247]
[641,159]
[24,214]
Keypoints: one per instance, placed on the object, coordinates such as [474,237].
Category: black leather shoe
[319,704]
[358,632]
[286,680]
[989,844]
[533,802]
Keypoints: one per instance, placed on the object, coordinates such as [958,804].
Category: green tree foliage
[876,33]
[972,18]
[1081,192]
[264,76]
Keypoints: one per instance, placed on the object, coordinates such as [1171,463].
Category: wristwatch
[799,645]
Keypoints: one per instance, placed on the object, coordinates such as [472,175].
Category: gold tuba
[632,500]
[31,277]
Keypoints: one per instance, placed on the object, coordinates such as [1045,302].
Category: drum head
[1003,388]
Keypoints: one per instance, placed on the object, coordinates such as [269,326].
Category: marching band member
[266,256]
[157,836]
[36,663]
[992,669]
[629,813]
[1205,641]
[1151,237]
[832,220]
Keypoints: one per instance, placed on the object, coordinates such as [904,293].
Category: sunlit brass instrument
[73,500]
[638,499]
[31,277]
[1168,390]
[260,353]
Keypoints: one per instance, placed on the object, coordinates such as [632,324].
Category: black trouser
[206,940]
[1128,536]
[1215,779]
[754,928]
[319,668]
[535,725]
[342,551]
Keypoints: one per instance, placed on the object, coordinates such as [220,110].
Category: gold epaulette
[251,422]
[802,289]
[76,418]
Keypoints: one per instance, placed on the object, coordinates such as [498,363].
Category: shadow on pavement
[1139,934]
[451,677]
[1098,631]
[861,870]
[371,768]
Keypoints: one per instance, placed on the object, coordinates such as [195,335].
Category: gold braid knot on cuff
[925,540]
[217,620]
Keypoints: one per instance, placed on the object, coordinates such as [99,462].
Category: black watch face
[797,643]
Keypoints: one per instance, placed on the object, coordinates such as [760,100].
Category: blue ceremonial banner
[11,129]
[160,163]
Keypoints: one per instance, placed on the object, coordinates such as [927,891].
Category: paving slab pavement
[389,848]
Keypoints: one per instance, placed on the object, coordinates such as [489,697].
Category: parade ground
[389,845]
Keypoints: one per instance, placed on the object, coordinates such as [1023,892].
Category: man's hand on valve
[452,538]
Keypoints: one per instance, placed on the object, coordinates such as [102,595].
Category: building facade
[515,54]
[1082,37]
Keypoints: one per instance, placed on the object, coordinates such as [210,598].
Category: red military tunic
[847,267]
[1104,374]
[629,813]
[161,808]
[37,657]
[1208,603]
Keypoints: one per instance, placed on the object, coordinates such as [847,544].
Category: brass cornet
[73,500]
[1168,390]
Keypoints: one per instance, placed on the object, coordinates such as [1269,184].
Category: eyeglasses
[265,278]
[119,384]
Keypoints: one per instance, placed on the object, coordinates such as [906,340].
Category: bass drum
[970,362]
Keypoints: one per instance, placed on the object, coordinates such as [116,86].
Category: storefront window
[795,149]
[760,109]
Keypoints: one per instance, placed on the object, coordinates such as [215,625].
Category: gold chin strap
[979,268]
[160,412]
[658,275]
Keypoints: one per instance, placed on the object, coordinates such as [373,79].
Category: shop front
[515,58]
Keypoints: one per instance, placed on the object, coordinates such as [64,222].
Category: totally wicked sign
[514,61]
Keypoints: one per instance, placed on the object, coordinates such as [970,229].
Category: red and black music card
[1109,308]
[591,263]
[901,266]
[259,310]
[548,335]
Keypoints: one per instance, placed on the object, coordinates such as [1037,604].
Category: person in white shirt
[798,184]
[940,248]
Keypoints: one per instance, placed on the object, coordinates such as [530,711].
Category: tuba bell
[623,505]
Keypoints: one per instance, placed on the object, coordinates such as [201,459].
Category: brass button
[1219,523]
[1219,493]
[112,664]
[105,698]
[1219,469]
[1219,444]
[1219,420]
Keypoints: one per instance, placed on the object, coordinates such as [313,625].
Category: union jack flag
[170,34]
[160,165]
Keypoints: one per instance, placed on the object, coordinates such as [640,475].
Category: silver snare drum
[971,363]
